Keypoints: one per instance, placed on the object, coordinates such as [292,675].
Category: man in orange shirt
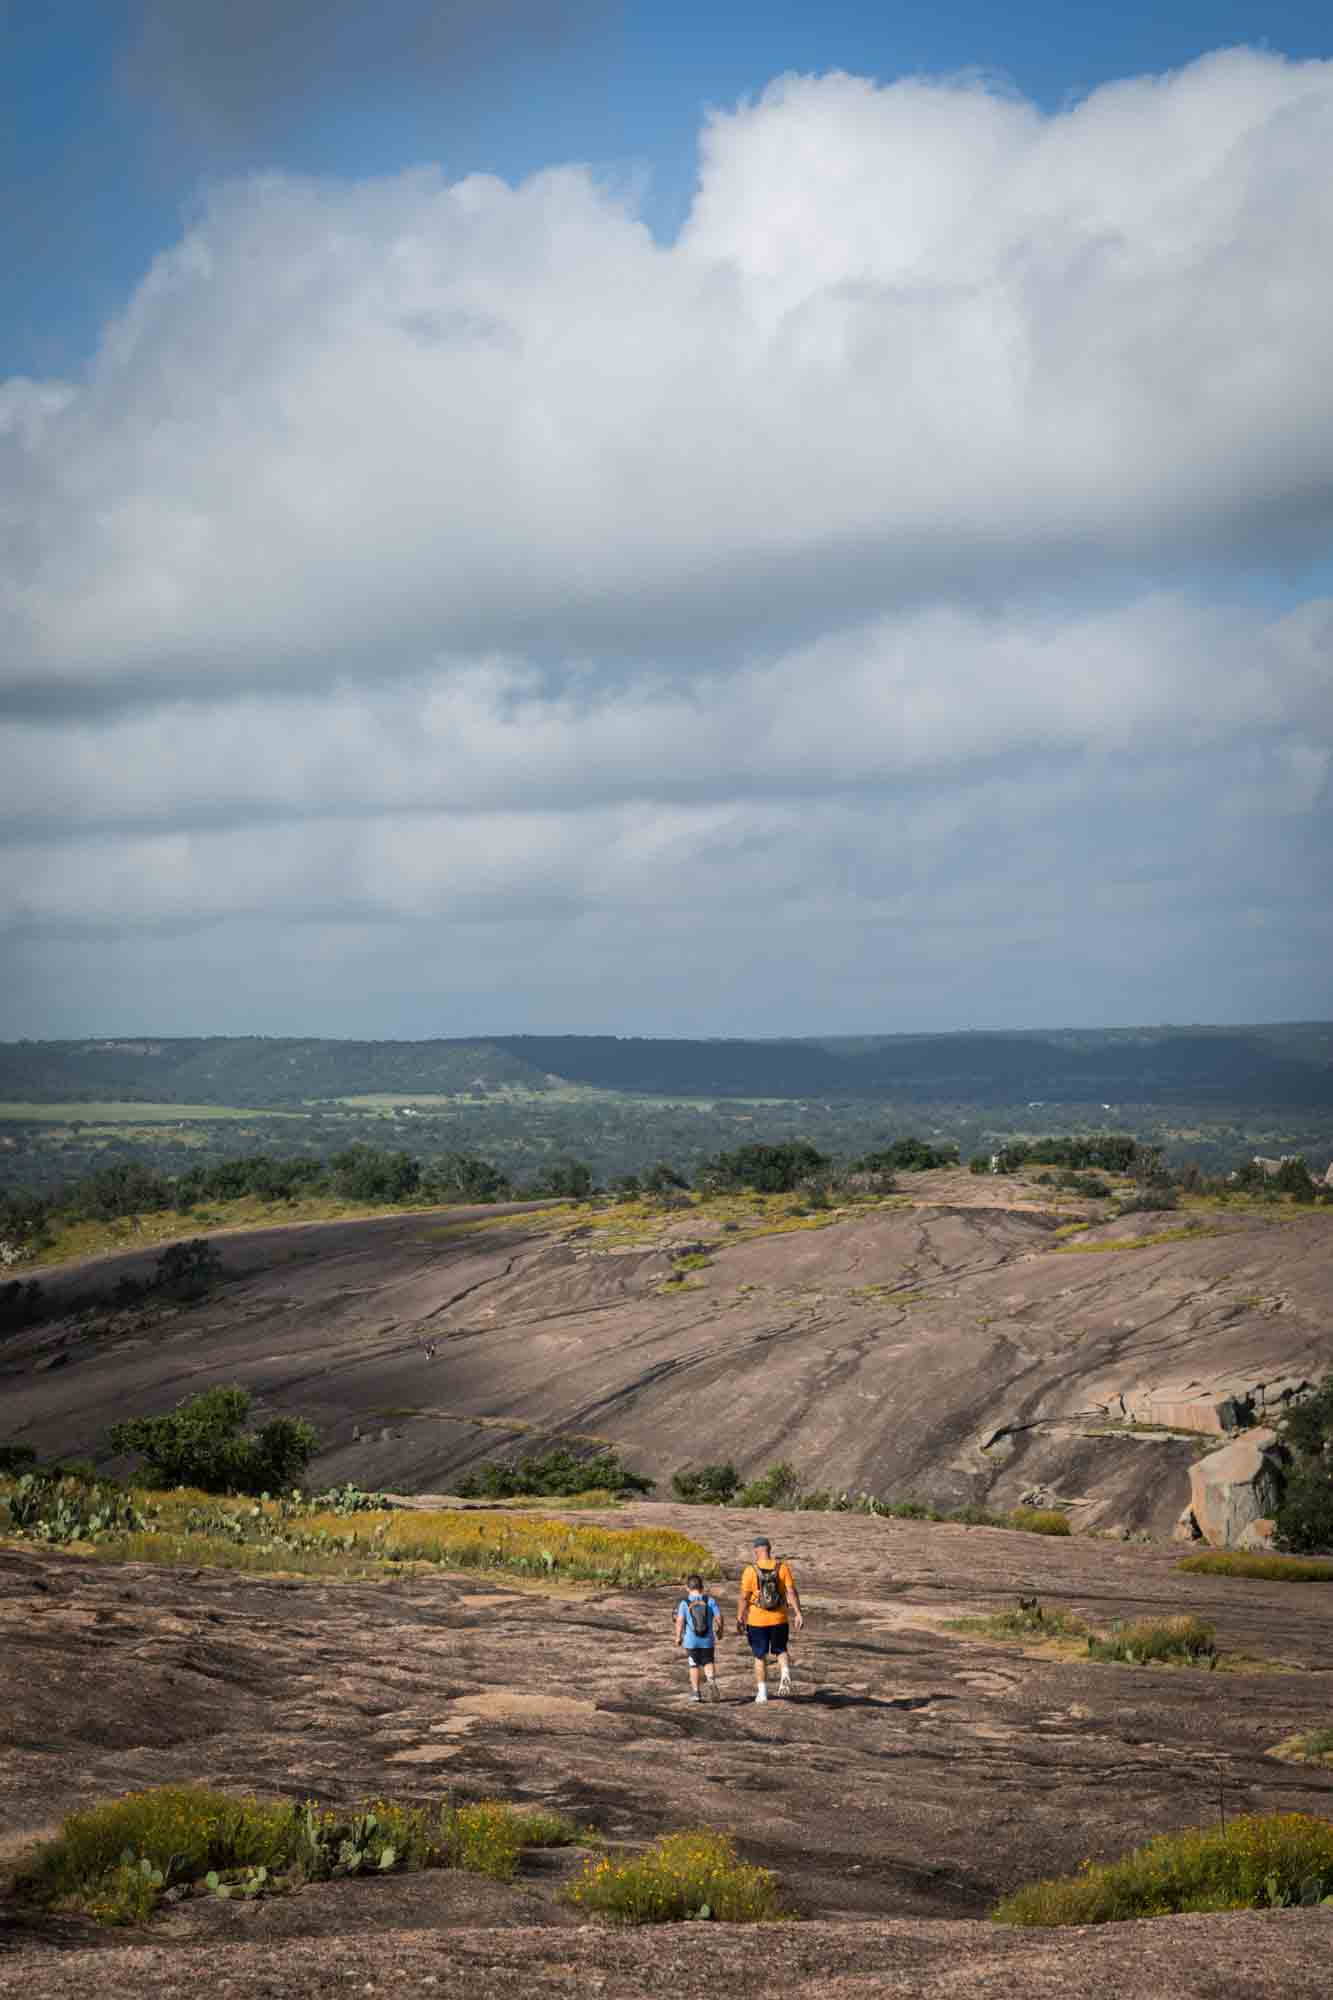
[767,1605]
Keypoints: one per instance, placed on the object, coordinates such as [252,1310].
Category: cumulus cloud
[422,554]
[912,338]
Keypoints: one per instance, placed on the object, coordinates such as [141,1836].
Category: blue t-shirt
[696,1640]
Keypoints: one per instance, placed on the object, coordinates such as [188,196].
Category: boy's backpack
[770,1588]
[699,1615]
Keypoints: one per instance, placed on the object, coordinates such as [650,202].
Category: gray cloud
[233,74]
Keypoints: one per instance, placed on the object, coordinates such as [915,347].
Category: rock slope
[962,1345]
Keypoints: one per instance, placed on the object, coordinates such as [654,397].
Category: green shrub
[780,1486]
[1040,1521]
[682,1876]
[972,1515]
[1273,1569]
[707,1485]
[181,1831]
[1260,1861]
[558,1473]
[1150,1200]
[1305,1513]
[16,1458]
[912,1155]
[202,1444]
[1148,1641]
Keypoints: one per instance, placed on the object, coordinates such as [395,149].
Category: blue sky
[99,174]
[516,516]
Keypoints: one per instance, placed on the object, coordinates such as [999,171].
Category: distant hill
[1145,1066]
[1270,1064]
[248,1070]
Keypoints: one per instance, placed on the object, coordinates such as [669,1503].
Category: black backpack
[770,1597]
[700,1616]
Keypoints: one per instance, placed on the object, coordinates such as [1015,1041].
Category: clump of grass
[118,1860]
[681,1876]
[184,1829]
[1314,1747]
[1153,1641]
[1273,1569]
[489,1837]
[1030,1620]
[629,1558]
[1040,1521]
[1260,1861]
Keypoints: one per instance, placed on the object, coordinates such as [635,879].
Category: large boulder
[1235,1487]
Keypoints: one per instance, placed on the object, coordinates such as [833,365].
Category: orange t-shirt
[755,1614]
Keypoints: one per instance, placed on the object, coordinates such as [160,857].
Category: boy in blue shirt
[698,1626]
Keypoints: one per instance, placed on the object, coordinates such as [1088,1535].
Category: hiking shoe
[695,1695]
[784,1685]
[761,1694]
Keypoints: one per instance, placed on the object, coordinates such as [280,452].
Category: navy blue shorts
[766,1639]
[699,1656]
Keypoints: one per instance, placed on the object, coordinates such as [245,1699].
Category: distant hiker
[430,1350]
[698,1628]
[768,1598]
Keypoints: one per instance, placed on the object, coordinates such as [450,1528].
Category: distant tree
[464,1177]
[568,1180]
[364,1173]
[910,1155]
[1293,1177]
[1305,1512]
[706,1485]
[776,1169]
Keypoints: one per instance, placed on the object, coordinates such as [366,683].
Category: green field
[385,1101]
[131,1114]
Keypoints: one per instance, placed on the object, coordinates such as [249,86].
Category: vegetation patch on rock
[120,1861]
[1260,1861]
[1314,1746]
[1271,1569]
[342,1533]
[694,1875]
[1144,1642]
